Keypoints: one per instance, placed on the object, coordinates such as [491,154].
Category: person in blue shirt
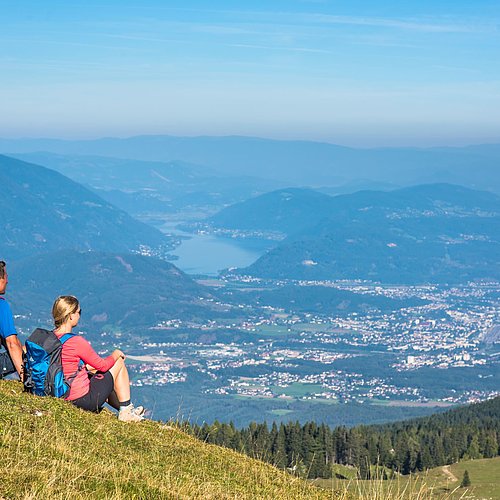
[11,359]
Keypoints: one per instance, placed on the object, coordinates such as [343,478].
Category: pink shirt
[74,350]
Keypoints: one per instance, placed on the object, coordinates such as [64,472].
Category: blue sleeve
[7,327]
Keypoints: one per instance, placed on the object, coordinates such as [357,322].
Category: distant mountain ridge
[139,186]
[294,162]
[433,233]
[43,211]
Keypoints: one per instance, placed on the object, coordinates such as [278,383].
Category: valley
[213,336]
[278,363]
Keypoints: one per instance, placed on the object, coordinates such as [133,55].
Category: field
[484,475]
[297,390]
[439,483]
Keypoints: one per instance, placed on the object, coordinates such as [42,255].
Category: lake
[208,254]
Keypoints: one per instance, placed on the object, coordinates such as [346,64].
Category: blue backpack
[43,373]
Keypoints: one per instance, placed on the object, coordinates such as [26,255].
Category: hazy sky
[371,72]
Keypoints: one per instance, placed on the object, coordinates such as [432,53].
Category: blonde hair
[64,306]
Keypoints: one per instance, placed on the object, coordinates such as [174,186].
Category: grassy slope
[49,449]
[433,484]
[484,475]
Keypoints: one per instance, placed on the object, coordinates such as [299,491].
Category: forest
[311,450]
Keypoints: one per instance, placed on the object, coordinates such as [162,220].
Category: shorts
[101,386]
[6,365]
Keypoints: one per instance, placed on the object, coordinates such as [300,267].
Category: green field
[274,330]
[484,475]
[295,328]
[297,389]
[437,483]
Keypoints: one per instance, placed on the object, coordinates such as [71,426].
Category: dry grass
[50,449]
[412,487]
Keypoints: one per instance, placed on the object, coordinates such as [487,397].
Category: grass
[298,389]
[484,475]
[50,449]
[401,488]
[433,484]
[274,330]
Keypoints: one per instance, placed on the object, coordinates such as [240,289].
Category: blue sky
[357,73]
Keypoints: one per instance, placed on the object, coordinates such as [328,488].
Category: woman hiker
[107,379]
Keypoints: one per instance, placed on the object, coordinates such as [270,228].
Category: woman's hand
[117,354]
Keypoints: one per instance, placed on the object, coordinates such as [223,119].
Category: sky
[359,73]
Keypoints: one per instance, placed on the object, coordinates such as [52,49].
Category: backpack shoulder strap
[66,337]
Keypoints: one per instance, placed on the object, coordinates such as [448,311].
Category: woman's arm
[90,357]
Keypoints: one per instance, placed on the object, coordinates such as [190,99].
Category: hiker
[107,379]
[11,359]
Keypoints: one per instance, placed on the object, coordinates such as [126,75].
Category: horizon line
[239,136]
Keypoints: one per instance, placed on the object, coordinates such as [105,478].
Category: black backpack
[43,373]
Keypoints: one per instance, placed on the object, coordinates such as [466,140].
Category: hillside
[440,482]
[430,233]
[285,210]
[153,186]
[293,162]
[485,480]
[53,450]
[43,211]
[124,290]
[408,446]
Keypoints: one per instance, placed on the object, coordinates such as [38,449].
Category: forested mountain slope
[43,211]
[430,233]
[464,433]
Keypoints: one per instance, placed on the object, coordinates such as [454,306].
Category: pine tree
[466,482]
[279,448]
[490,445]
[294,449]
[473,450]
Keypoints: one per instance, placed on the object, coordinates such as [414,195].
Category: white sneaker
[139,410]
[130,413]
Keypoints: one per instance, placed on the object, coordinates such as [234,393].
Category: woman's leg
[113,400]
[122,384]
[120,397]
[101,385]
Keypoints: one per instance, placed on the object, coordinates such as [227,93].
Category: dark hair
[2,269]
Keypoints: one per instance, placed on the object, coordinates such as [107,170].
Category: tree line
[312,450]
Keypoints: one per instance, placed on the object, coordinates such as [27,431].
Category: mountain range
[293,162]
[141,187]
[61,238]
[430,233]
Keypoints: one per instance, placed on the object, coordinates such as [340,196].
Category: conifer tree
[466,482]
[279,448]
[473,450]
